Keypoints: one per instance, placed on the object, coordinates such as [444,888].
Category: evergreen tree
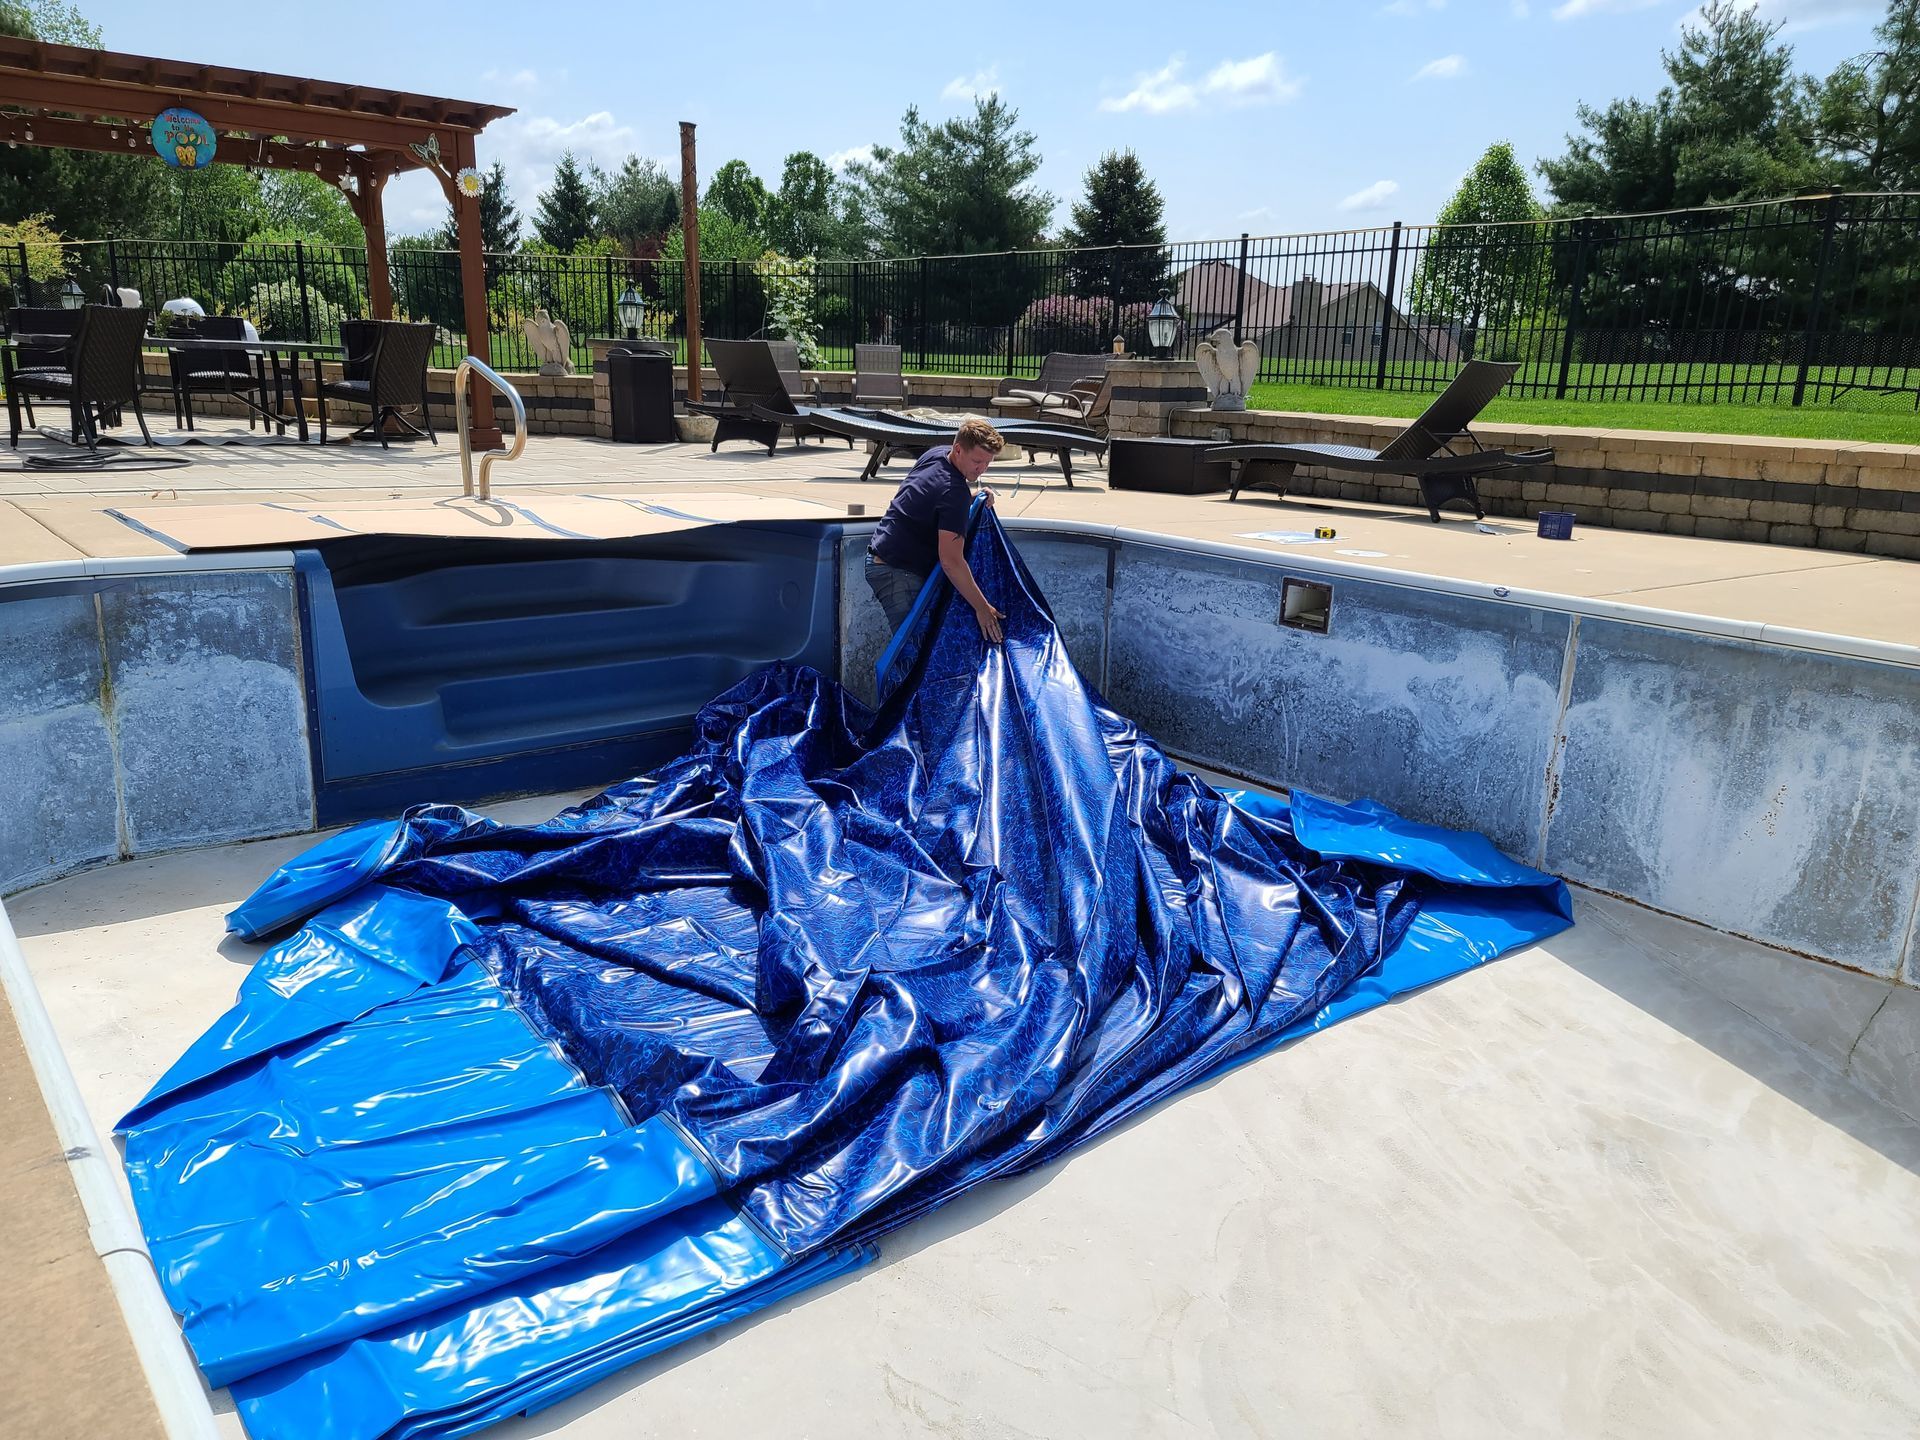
[1868,110]
[1122,208]
[1478,267]
[565,217]
[815,212]
[638,205]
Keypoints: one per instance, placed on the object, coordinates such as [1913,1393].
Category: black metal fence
[1794,301]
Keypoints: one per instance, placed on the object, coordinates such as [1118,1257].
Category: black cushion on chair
[212,376]
[359,390]
[47,381]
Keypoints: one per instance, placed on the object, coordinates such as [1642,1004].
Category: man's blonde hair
[977,434]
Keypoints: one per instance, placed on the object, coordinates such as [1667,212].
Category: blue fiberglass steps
[461,670]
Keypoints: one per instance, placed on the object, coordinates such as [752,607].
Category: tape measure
[1323,532]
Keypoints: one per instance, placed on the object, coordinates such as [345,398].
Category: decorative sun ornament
[471,183]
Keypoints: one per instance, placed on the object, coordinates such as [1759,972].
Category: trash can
[640,390]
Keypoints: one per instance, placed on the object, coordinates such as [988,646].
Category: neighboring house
[1310,320]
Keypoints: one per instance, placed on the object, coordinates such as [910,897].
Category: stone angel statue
[1227,369]
[551,341]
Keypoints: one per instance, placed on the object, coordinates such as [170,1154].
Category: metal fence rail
[1782,302]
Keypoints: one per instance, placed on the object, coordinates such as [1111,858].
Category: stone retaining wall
[1835,495]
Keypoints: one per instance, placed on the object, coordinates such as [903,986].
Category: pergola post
[482,432]
[366,205]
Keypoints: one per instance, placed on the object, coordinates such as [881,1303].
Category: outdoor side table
[1172,465]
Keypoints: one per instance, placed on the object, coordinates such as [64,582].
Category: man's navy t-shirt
[933,497]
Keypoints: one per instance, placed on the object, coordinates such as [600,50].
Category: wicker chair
[233,373]
[38,320]
[105,375]
[876,376]
[394,368]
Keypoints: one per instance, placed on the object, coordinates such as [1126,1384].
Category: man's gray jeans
[895,589]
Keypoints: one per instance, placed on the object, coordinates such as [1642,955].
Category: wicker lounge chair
[759,403]
[1018,397]
[891,435]
[1419,450]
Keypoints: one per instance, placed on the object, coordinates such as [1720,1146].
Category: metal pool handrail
[487,373]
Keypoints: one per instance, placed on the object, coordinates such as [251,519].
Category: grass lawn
[1856,417]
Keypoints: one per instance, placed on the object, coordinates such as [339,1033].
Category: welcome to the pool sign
[183,138]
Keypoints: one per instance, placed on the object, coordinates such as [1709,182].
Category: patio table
[284,377]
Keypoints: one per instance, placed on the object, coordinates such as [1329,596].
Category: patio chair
[1419,450]
[1086,402]
[38,320]
[877,379]
[801,387]
[1017,396]
[395,369]
[238,374]
[104,375]
[758,403]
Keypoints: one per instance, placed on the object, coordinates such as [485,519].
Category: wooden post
[690,235]
[366,205]
[482,432]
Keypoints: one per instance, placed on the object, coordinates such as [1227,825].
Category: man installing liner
[927,524]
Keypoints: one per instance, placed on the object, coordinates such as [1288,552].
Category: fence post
[1010,328]
[113,264]
[1808,341]
[300,279]
[26,276]
[1240,292]
[1581,239]
[923,314]
[733,298]
[613,304]
[1386,309]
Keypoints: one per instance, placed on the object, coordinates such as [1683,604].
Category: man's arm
[953,561]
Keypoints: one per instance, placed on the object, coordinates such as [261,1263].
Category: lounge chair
[1018,397]
[802,389]
[877,378]
[104,375]
[1419,450]
[1086,403]
[758,403]
[890,435]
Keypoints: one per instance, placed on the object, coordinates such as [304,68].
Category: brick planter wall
[1835,495]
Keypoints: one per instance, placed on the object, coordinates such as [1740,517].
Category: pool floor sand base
[1588,1190]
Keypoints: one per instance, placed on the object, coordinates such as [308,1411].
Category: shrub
[1082,323]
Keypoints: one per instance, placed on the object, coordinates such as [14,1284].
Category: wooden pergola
[356,136]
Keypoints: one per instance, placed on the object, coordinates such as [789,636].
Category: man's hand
[989,619]
[986,495]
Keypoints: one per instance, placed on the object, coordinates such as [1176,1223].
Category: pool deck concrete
[45,517]
[1613,1185]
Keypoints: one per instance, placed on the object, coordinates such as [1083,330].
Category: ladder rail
[482,489]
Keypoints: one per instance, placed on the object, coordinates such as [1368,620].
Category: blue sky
[1309,115]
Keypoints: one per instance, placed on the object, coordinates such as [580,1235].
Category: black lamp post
[1163,323]
[633,311]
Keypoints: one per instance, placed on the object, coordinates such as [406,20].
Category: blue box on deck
[1556,524]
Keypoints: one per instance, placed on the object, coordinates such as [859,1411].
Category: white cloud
[1577,9]
[1257,80]
[975,86]
[840,159]
[1447,67]
[1156,93]
[1373,197]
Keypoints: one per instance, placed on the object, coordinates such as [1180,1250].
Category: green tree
[815,212]
[1122,207]
[1868,111]
[565,217]
[960,187]
[736,192]
[305,205]
[637,204]
[1479,266]
[1732,123]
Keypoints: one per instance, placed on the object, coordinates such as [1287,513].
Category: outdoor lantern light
[1163,323]
[72,297]
[633,311]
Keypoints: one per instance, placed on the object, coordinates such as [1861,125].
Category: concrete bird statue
[1227,369]
[551,341]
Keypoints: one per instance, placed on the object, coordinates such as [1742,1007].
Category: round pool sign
[183,139]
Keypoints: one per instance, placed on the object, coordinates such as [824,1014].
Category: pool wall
[1766,787]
